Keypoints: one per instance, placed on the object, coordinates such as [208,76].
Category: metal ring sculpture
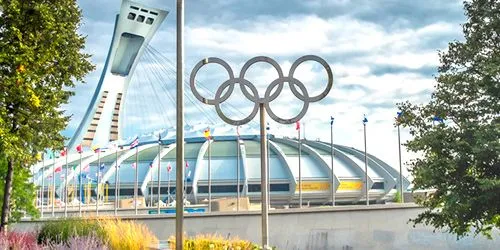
[253,95]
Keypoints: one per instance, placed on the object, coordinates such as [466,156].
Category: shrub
[61,231]
[127,234]
[213,241]
[85,242]
[18,241]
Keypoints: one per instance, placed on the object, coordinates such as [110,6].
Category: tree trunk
[6,196]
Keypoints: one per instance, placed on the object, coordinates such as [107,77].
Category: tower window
[133,7]
[131,16]
[141,18]
[149,20]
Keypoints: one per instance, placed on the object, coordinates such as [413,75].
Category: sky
[382,52]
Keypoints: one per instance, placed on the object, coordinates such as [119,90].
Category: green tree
[458,132]
[23,191]
[40,59]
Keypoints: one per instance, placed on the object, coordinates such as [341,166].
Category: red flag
[79,148]
[187,164]
[169,167]
[86,168]
[297,125]
[64,151]
[58,169]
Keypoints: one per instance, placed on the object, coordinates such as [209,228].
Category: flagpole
[400,166]
[136,177]
[53,195]
[263,177]
[300,168]
[98,179]
[366,167]
[332,152]
[80,186]
[238,170]
[43,183]
[168,186]
[209,177]
[66,185]
[159,174]
[268,169]
[116,180]
[179,209]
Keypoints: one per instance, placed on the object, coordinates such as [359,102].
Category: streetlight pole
[179,211]
[332,154]
[159,173]
[263,177]
[98,180]
[116,180]
[209,177]
[400,163]
[300,167]
[365,120]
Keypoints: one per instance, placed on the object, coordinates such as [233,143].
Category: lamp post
[117,169]
[398,119]
[300,167]
[261,106]
[331,158]
[365,120]
[237,168]
[159,173]
[179,209]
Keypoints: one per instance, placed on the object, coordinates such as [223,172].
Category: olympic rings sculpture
[254,95]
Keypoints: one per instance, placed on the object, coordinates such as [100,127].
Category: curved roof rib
[164,151]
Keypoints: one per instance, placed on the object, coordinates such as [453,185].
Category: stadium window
[280,187]
[378,185]
[135,8]
[141,18]
[131,16]
[149,20]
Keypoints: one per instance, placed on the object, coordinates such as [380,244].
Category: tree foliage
[40,59]
[23,192]
[458,131]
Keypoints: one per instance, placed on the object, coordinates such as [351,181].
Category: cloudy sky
[381,51]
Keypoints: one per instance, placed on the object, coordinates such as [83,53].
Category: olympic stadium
[113,173]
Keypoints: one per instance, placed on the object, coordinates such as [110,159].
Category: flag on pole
[102,167]
[169,167]
[437,118]
[151,165]
[206,133]
[398,117]
[134,165]
[331,120]
[134,143]
[189,174]
[159,138]
[50,154]
[96,148]
[86,168]
[268,127]
[64,152]
[79,148]
[58,169]
[297,125]
[187,164]
[365,120]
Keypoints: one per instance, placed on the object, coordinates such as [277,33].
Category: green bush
[62,231]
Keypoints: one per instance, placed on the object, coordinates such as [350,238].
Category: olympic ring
[253,94]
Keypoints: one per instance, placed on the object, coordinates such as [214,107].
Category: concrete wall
[345,228]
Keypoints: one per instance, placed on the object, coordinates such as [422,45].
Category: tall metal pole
[179,211]
[136,177]
[151,188]
[98,180]
[66,185]
[300,169]
[238,172]
[400,168]
[263,177]
[116,180]
[168,187]
[159,174]
[331,156]
[80,188]
[209,177]
[53,195]
[366,170]
[268,169]
[43,184]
